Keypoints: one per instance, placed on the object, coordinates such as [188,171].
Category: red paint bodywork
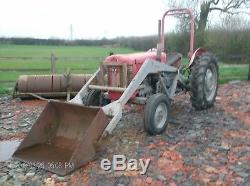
[116,95]
[135,60]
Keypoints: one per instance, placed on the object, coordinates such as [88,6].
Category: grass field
[80,59]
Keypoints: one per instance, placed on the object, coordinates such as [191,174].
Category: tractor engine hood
[133,58]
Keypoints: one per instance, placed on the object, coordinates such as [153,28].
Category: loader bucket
[63,137]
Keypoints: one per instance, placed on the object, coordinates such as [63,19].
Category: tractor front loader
[64,136]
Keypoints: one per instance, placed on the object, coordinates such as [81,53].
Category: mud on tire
[204,81]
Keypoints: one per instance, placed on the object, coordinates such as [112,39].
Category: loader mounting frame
[114,109]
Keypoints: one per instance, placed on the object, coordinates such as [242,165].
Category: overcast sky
[92,19]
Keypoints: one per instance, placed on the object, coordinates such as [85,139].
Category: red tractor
[154,84]
[68,131]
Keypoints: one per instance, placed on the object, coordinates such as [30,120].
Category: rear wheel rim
[210,84]
[161,114]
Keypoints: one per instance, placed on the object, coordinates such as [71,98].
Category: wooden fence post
[67,76]
[53,64]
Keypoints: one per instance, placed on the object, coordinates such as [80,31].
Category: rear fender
[198,52]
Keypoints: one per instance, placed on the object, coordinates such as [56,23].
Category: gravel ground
[210,147]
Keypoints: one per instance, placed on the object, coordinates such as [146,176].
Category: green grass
[12,76]
[229,72]
[60,51]
[234,72]
[37,53]
[6,88]
[60,65]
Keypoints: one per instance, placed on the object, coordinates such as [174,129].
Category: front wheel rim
[161,114]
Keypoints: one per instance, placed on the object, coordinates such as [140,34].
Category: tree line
[230,45]
[62,42]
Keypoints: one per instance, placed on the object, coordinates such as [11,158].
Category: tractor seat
[173,59]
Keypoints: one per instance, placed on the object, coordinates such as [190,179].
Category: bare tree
[203,8]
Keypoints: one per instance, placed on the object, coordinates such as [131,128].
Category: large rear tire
[156,114]
[204,81]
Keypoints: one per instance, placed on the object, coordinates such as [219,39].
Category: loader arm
[79,96]
[114,109]
[149,67]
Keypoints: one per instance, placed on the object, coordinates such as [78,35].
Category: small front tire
[156,114]
[95,98]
